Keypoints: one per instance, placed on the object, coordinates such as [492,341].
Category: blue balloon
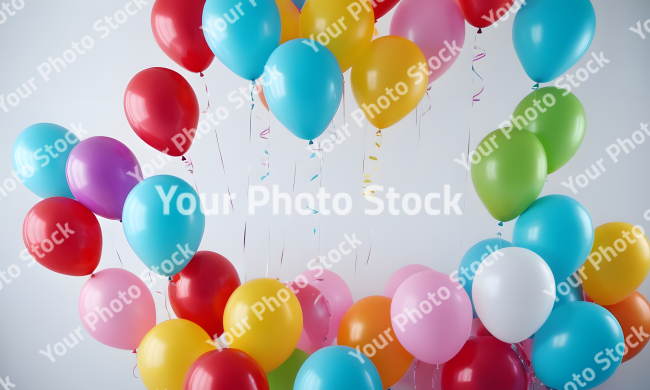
[303,86]
[40,154]
[473,258]
[338,368]
[242,34]
[299,4]
[569,290]
[550,36]
[580,343]
[559,230]
[164,223]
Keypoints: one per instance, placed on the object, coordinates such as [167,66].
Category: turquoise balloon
[550,36]
[303,87]
[567,291]
[40,154]
[580,343]
[473,258]
[242,34]
[164,223]
[338,368]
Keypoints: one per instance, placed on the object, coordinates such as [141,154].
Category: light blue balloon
[338,368]
[303,86]
[578,338]
[163,233]
[473,258]
[242,34]
[568,291]
[299,4]
[550,36]
[40,154]
[559,230]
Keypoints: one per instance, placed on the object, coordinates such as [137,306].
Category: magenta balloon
[117,308]
[436,27]
[400,276]
[101,171]
[316,316]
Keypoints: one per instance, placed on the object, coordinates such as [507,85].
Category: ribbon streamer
[205,82]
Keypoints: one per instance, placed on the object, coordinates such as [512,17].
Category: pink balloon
[400,276]
[337,293]
[428,376]
[431,316]
[436,27]
[117,308]
[316,317]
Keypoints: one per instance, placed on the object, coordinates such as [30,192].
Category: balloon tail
[480,31]
[136,363]
[482,54]
[205,82]
[536,86]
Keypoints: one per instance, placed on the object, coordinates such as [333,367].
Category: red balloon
[63,236]
[483,13]
[199,292]
[162,109]
[227,369]
[176,25]
[484,363]
[381,8]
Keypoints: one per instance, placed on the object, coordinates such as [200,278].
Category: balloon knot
[201,74]
[480,31]
[134,351]
[170,278]
[536,86]
[500,223]
[92,275]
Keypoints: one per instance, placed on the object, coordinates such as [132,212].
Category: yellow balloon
[290,20]
[167,352]
[263,318]
[618,263]
[389,80]
[345,27]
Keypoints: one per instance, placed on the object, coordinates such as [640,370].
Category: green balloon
[282,378]
[557,118]
[508,172]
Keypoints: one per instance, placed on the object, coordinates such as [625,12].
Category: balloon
[316,315]
[367,326]
[101,172]
[263,318]
[39,156]
[335,368]
[225,369]
[484,362]
[299,3]
[290,18]
[432,316]
[483,13]
[513,293]
[579,338]
[77,249]
[163,222]
[632,313]
[435,27]
[400,276]
[427,376]
[117,308]
[381,8]
[560,127]
[559,229]
[472,260]
[260,93]
[242,36]
[303,87]
[199,292]
[618,263]
[550,36]
[177,28]
[509,172]
[568,291]
[283,377]
[325,22]
[337,293]
[168,351]
[387,81]
[162,109]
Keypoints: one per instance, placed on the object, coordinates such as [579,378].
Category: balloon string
[205,82]
[316,151]
[169,316]
[248,174]
[418,118]
[190,168]
[114,246]
[223,167]
[293,188]
[478,57]
[136,363]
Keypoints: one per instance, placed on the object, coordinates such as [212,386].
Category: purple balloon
[101,171]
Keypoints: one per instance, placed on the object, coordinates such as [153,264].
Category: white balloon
[513,293]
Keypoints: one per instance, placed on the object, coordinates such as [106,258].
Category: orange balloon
[633,314]
[260,94]
[367,326]
[289,19]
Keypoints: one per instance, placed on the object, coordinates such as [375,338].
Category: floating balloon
[226,369]
[632,313]
[242,34]
[435,27]
[199,292]
[163,222]
[290,19]
[63,236]
[484,13]
[260,93]
[39,156]
[101,172]
[316,317]
[299,3]
[550,36]
[284,377]
[508,171]
[569,290]
[400,276]
[117,308]
[162,109]
[560,127]
[427,376]
[303,87]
